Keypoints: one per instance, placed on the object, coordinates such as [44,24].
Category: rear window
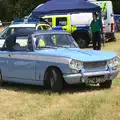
[19,29]
[22,28]
[61,21]
[10,30]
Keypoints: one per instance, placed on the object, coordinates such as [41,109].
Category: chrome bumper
[82,78]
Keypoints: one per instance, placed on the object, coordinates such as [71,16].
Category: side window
[4,33]
[61,21]
[49,20]
[21,44]
[22,41]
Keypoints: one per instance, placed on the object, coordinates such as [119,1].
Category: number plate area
[96,79]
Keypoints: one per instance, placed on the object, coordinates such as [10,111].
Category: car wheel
[56,80]
[82,42]
[47,79]
[106,84]
[1,81]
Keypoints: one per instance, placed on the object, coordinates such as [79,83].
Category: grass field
[24,102]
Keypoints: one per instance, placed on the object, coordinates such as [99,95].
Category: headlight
[114,62]
[75,64]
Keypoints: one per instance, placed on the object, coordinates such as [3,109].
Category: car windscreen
[54,40]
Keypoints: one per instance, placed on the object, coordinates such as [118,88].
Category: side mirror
[30,45]
[112,14]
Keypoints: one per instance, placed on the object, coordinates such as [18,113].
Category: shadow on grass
[32,89]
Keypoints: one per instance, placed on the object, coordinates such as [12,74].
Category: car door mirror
[30,44]
[112,14]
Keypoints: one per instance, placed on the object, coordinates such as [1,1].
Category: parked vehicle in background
[52,62]
[108,17]
[117,22]
[20,24]
[76,24]
[0,23]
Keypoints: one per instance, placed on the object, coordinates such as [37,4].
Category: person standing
[96,32]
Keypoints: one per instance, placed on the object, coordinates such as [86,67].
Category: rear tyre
[82,42]
[106,84]
[82,39]
[1,81]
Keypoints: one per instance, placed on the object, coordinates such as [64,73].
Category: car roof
[24,33]
[23,25]
[26,24]
[50,32]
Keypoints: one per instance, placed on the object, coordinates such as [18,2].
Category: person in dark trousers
[96,32]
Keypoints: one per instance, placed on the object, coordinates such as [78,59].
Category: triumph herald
[51,58]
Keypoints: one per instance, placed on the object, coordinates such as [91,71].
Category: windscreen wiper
[49,47]
[63,46]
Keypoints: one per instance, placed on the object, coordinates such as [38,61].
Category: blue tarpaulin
[64,6]
[55,7]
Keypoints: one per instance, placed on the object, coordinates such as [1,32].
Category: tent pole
[102,36]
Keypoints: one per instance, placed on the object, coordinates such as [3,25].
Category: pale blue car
[52,58]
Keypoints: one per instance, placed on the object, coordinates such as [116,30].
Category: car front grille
[94,66]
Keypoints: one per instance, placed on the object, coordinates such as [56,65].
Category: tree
[12,9]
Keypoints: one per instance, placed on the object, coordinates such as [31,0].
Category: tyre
[82,42]
[1,81]
[82,39]
[47,79]
[106,84]
[54,80]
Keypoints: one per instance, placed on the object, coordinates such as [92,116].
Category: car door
[21,64]
[4,57]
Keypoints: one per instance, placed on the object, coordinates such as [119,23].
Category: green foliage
[12,9]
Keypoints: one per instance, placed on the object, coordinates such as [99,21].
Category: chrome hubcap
[52,79]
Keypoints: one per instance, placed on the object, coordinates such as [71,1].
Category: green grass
[24,102]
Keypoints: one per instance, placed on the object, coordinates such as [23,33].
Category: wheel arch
[52,66]
[46,80]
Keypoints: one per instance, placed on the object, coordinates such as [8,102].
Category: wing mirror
[112,14]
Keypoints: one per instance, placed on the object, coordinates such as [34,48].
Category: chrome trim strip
[72,75]
[90,74]
[55,59]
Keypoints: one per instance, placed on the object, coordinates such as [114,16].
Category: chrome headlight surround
[114,62]
[75,64]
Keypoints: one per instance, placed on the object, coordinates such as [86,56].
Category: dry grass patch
[24,102]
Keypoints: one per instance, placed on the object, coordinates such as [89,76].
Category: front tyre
[56,80]
[106,84]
